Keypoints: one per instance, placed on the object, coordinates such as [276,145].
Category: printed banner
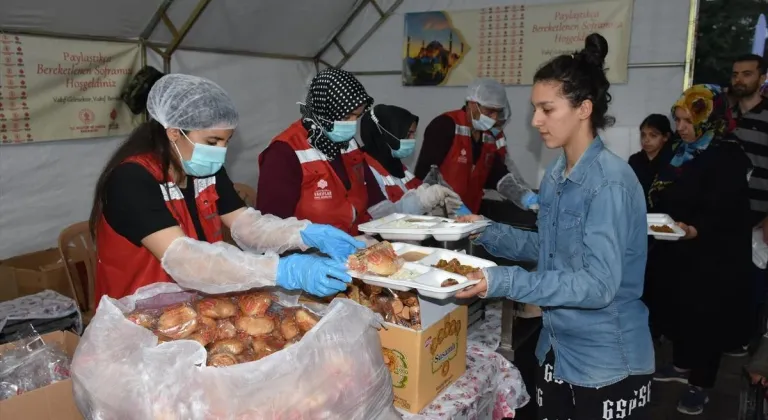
[56,89]
[509,43]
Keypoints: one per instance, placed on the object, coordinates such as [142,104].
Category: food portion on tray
[663,227]
[397,307]
[408,227]
[432,272]
[234,329]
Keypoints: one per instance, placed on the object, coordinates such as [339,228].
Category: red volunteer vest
[124,267]
[324,198]
[458,170]
[391,186]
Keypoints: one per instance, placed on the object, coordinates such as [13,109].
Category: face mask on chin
[484,122]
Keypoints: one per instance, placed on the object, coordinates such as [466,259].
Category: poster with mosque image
[509,43]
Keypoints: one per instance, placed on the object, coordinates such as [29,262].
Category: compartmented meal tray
[419,272]
[404,227]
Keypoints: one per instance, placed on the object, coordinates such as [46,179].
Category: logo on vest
[322,193]
[463,156]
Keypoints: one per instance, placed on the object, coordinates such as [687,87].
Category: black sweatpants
[703,362]
[629,399]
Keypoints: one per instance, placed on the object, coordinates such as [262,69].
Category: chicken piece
[449,283]
[289,328]
[371,290]
[162,339]
[177,321]
[305,320]
[378,259]
[409,299]
[255,304]
[353,293]
[225,329]
[142,318]
[291,342]
[415,314]
[255,326]
[405,313]
[216,308]
[397,305]
[231,345]
[221,359]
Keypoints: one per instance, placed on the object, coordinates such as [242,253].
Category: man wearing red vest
[468,144]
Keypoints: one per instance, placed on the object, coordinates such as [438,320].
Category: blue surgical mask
[206,160]
[484,123]
[343,131]
[406,148]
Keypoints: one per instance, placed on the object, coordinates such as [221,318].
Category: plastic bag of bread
[335,370]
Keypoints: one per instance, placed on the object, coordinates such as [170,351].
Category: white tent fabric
[44,187]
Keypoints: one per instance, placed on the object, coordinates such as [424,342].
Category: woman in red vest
[388,133]
[314,169]
[164,195]
[468,144]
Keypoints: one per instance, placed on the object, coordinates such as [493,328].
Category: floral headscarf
[708,107]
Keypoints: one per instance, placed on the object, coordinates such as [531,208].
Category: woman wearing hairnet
[314,169]
[468,146]
[163,196]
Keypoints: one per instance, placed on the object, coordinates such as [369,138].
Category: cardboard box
[424,363]
[32,273]
[53,402]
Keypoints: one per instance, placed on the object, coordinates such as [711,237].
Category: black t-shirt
[135,208]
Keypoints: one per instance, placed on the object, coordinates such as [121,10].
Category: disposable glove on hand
[463,211]
[531,200]
[313,274]
[330,241]
[432,196]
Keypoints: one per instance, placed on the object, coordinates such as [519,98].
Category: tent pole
[370,32]
[198,10]
[160,46]
[690,47]
[153,22]
[333,39]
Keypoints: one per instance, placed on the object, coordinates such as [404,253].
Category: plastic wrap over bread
[123,370]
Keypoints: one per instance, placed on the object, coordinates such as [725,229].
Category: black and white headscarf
[333,94]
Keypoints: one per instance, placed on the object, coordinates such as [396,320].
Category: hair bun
[595,49]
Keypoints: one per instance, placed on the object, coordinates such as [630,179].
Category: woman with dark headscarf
[388,133]
[704,188]
[314,170]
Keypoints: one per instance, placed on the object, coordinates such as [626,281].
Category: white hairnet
[191,103]
[489,93]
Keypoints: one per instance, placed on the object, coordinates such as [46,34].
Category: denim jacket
[591,248]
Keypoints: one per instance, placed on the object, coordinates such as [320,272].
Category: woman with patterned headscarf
[704,188]
[314,169]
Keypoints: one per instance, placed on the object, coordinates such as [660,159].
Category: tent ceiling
[290,28]
[100,18]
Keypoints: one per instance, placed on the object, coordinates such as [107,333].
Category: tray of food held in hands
[404,227]
[432,272]
[663,227]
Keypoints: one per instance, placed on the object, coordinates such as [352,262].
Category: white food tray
[404,227]
[427,283]
[664,219]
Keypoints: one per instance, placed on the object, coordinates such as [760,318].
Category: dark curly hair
[582,75]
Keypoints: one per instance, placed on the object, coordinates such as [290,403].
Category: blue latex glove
[330,241]
[316,275]
[530,198]
[463,211]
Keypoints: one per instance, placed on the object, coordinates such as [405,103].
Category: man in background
[751,114]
